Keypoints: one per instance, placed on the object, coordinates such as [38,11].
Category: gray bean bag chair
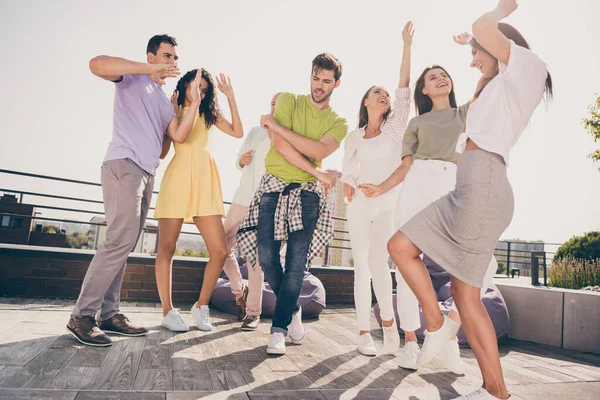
[312,296]
[492,300]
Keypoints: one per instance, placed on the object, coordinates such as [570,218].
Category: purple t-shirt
[141,116]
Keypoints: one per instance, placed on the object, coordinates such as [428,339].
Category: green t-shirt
[296,113]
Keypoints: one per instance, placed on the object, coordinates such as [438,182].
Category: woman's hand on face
[195,87]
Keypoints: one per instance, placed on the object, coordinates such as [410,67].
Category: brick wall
[27,271]
[58,273]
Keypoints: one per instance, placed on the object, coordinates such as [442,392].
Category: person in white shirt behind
[251,160]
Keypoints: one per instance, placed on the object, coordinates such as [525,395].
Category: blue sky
[58,116]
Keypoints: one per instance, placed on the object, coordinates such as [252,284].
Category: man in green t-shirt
[289,205]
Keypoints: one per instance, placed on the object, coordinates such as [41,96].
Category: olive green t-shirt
[434,135]
[296,113]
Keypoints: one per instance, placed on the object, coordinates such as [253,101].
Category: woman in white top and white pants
[460,230]
[372,153]
[251,160]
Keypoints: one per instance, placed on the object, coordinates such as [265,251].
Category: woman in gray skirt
[460,230]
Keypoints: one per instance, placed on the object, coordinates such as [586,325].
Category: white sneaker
[479,394]
[391,339]
[409,355]
[435,341]
[276,344]
[450,356]
[201,317]
[174,322]
[366,345]
[296,330]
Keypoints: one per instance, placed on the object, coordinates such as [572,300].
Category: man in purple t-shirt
[142,114]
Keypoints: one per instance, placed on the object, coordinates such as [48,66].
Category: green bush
[501,268]
[585,247]
[571,273]
[188,252]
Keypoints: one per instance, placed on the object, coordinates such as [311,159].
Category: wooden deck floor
[38,360]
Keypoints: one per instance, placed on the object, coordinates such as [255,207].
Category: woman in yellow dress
[190,190]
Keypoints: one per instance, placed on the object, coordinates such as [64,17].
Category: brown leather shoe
[241,304]
[85,329]
[121,325]
[250,323]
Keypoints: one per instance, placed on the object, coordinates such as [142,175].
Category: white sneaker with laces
[391,339]
[450,356]
[409,355]
[479,394]
[295,329]
[435,341]
[174,322]
[201,317]
[276,344]
[366,346]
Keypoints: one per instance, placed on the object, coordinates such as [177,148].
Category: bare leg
[406,257]
[211,228]
[169,229]
[481,336]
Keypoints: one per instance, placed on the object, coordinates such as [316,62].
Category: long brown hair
[363,115]
[513,34]
[423,103]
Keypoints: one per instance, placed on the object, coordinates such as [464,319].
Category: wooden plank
[103,395]
[154,379]
[74,378]
[119,371]
[190,373]
[287,395]
[227,380]
[208,395]
[158,352]
[39,371]
[89,357]
[21,352]
[33,394]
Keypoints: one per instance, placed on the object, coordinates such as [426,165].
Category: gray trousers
[127,191]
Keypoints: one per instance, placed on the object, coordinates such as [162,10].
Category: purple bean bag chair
[312,296]
[492,301]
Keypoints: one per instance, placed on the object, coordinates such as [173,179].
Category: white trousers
[426,181]
[370,226]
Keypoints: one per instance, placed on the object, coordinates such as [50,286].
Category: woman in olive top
[428,172]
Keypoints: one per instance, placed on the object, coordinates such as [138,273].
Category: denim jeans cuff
[277,329]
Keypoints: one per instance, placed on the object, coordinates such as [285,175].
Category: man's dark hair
[327,62]
[156,40]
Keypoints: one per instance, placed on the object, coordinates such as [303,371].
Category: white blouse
[394,128]
[498,117]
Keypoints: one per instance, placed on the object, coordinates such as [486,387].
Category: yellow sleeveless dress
[191,185]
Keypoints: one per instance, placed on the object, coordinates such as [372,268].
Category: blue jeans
[286,284]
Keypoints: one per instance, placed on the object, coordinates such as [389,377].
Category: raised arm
[114,68]
[407,37]
[179,131]
[487,34]
[233,128]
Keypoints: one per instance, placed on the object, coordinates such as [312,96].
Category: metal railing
[526,262]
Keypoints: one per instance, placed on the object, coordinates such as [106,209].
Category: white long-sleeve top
[257,140]
[394,128]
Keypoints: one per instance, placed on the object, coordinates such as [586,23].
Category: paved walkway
[39,361]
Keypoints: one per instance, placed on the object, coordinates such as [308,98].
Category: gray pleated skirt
[459,231]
